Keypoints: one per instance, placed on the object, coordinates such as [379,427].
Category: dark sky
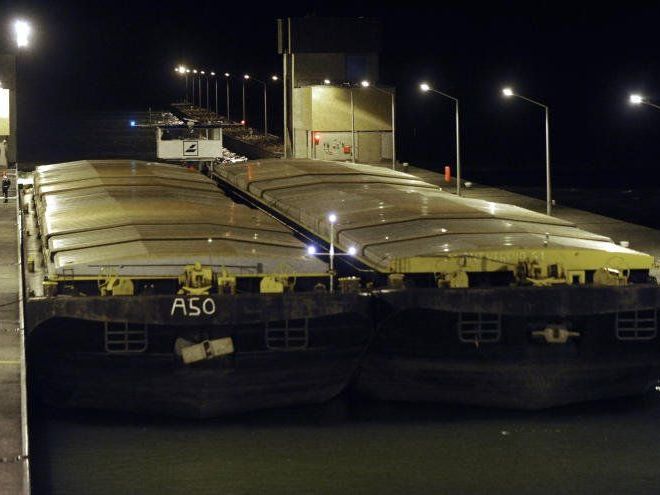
[580,59]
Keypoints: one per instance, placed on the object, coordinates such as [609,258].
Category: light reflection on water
[607,447]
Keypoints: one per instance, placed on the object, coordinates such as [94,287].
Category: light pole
[352,125]
[208,96]
[201,72]
[332,218]
[366,84]
[426,88]
[636,99]
[181,70]
[216,91]
[193,86]
[265,86]
[227,75]
[508,92]
[245,78]
[352,251]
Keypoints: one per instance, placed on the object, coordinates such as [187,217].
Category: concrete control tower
[333,107]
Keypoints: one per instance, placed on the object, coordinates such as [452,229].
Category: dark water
[607,448]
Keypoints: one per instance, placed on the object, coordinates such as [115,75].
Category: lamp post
[352,251]
[246,77]
[352,125]
[227,76]
[193,86]
[426,88]
[508,92]
[181,70]
[215,79]
[208,96]
[265,86]
[332,218]
[636,99]
[366,84]
[201,72]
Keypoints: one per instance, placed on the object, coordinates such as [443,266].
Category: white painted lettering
[208,306]
[178,303]
[194,307]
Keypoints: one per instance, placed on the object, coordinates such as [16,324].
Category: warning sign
[190,148]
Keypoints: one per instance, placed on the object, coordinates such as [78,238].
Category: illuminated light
[424,87]
[443,231]
[213,73]
[242,122]
[209,240]
[365,84]
[181,69]
[507,92]
[22,30]
[326,81]
[188,70]
[227,74]
[352,250]
[636,99]
[194,71]
[275,78]
[246,76]
[317,138]
[132,123]
[311,250]
[201,72]
[332,218]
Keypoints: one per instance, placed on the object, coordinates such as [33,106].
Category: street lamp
[352,250]
[216,91]
[199,81]
[509,92]
[327,81]
[193,86]
[637,99]
[182,71]
[425,87]
[187,72]
[265,86]
[22,30]
[227,76]
[246,77]
[208,96]
[367,84]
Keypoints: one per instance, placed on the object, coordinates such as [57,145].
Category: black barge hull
[488,347]
[288,349]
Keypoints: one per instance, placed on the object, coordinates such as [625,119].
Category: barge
[476,302]
[148,290]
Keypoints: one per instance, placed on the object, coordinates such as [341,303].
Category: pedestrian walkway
[640,238]
[14,462]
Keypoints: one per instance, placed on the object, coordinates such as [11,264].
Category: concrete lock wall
[322,123]
[8,80]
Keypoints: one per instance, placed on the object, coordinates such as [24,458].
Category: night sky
[581,60]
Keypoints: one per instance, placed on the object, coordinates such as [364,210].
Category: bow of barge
[148,290]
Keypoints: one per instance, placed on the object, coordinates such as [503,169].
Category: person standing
[6,182]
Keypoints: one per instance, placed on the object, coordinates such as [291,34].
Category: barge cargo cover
[477,302]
